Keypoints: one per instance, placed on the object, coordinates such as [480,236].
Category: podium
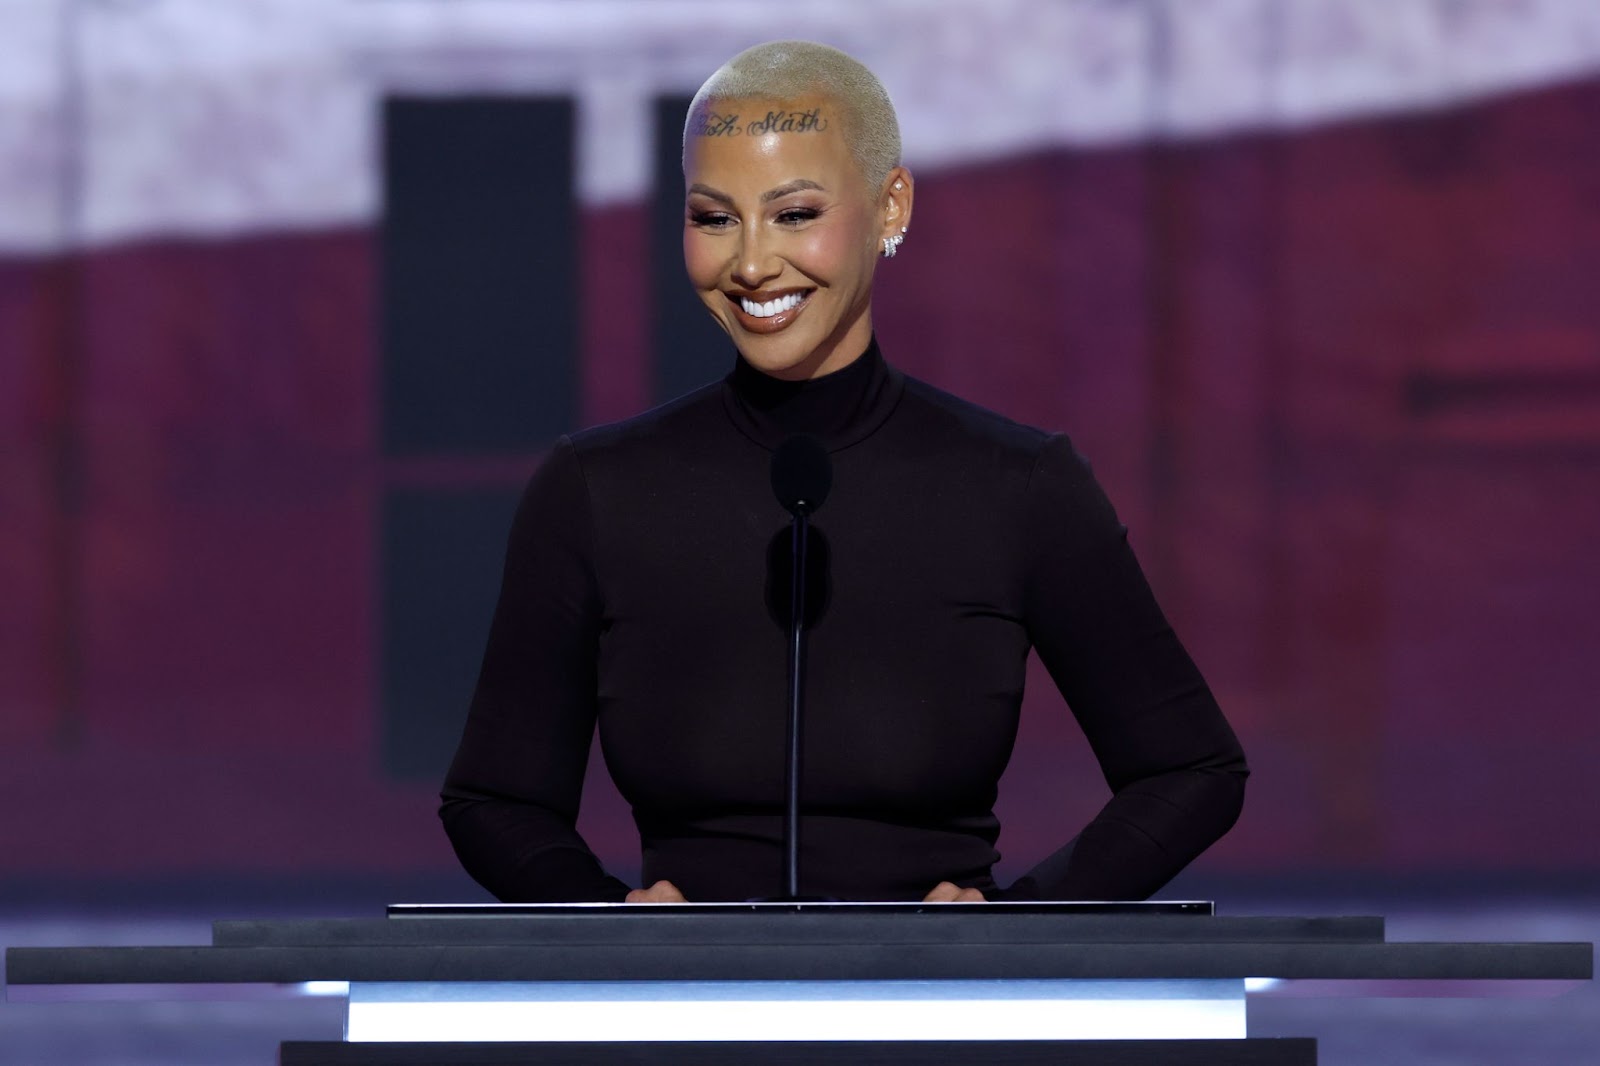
[1010,983]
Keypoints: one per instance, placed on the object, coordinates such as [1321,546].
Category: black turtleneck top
[638,595]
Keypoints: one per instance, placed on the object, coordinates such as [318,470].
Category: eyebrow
[766,197]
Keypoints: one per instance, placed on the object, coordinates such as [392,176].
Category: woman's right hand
[660,892]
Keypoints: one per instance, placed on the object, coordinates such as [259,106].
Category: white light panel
[797,1010]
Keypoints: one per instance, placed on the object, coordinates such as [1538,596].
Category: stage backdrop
[294,296]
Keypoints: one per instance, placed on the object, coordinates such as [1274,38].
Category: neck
[838,407]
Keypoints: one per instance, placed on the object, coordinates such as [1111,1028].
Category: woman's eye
[798,214]
[709,219]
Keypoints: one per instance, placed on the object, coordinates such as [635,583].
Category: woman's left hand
[945,892]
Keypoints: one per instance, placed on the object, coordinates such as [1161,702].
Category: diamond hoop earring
[891,245]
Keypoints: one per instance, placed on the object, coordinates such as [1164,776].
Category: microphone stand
[797,654]
[801,477]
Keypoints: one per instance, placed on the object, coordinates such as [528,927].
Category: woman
[636,588]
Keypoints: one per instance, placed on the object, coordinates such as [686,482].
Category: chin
[773,355]
[777,354]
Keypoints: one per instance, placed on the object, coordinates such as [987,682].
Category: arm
[510,800]
[1175,768]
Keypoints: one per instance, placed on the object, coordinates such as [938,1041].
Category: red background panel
[1343,385]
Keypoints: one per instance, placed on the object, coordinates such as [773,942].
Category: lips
[768,312]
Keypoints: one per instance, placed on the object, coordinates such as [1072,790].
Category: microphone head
[802,473]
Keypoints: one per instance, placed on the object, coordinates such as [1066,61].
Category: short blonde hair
[787,70]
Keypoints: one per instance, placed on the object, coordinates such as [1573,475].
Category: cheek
[701,260]
[828,252]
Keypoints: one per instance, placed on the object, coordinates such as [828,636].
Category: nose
[757,263]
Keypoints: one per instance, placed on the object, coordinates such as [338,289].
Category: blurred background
[294,295]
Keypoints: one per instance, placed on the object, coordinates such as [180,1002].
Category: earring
[891,245]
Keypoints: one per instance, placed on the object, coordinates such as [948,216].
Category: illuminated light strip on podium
[797,1010]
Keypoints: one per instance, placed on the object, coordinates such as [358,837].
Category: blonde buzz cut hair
[788,70]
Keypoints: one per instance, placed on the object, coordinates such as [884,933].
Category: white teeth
[771,307]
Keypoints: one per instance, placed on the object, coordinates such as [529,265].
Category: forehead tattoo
[728,124]
[790,76]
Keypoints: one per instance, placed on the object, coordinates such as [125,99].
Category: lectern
[1002,983]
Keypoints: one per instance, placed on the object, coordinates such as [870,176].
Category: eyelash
[718,219]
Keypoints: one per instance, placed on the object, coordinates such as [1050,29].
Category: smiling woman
[954,541]
[783,225]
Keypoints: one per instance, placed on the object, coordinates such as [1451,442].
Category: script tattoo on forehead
[717,124]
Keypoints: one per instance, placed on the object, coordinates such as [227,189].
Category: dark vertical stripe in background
[479,338]
[689,348]
[442,554]
[479,275]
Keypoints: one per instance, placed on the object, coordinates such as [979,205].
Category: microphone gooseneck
[802,474]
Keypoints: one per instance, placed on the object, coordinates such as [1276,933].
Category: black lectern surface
[763,906]
[944,944]
[897,977]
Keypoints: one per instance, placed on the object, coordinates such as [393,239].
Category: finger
[943,892]
[660,892]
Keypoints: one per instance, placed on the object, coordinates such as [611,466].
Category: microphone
[802,474]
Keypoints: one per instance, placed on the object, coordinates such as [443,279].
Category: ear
[894,202]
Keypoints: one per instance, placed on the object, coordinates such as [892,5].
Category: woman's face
[781,234]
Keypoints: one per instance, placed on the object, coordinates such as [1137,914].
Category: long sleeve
[510,799]
[1173,763]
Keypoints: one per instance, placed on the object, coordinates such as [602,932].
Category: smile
[768,312]
[771,307]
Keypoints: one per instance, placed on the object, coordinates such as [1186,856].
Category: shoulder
[961,417]
[687,414]
[617,461]
[1028,450]
[564,479]
[1059,482]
